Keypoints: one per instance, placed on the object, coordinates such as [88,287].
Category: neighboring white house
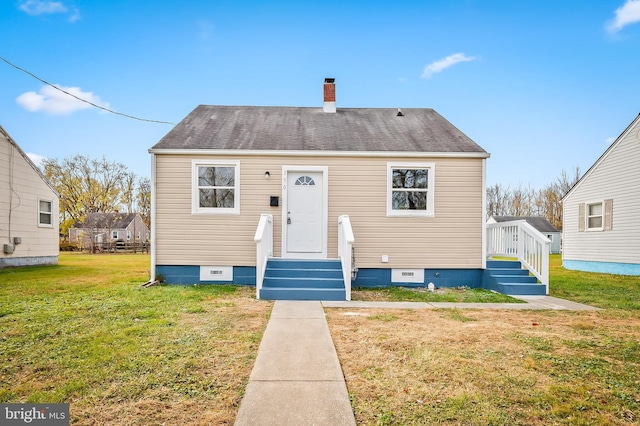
[412,184]
[28,210]
[601,213]
[540,223]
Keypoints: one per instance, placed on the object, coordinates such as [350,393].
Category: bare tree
[497,200]
[546,202]
[128,197]
[143,200]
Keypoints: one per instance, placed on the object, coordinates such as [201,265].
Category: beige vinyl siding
[615,177]
[357,186]
[20,183]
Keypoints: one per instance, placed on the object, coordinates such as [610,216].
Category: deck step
[508,277]
[521,289]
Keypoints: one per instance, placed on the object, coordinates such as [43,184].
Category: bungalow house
[404,187]
[102,229]
[540,224]
[601,225]
[28,210]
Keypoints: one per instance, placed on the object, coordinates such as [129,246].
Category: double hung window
[410,189]
[216,187]
[45,213]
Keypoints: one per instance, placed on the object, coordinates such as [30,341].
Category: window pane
[595,209]
[409,200]
[45,206]
[595,222]
[45,219]
[216,176]
[411,178]
[217,198]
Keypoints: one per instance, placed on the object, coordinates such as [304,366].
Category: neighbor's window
[594,216]
[216,187]
[45,215]
[410,189]
[114,235]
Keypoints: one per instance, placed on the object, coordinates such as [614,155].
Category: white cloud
[43,7]
[36,158]
[628,13]
[39,7]
[56,102]
[442,64]
[75,16]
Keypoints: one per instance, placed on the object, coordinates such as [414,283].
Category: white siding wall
[357,187]
[22,187]
[616,177]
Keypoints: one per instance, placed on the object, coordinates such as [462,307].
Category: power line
[83,100]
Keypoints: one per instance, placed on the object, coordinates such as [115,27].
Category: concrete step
[525,279]
[303,282]
[281,293]
[521,289]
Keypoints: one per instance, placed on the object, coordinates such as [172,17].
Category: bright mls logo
[35,414]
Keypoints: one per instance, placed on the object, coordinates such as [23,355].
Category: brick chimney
[329,95]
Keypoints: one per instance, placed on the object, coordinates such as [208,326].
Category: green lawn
[602,290]
[86,333]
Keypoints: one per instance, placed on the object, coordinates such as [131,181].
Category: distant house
[540,223]
[601,220]
[101,229]
[28,210]
[411,184]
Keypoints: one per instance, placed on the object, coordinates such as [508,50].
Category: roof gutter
[302,153]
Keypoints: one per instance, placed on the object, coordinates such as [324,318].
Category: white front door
[304,214]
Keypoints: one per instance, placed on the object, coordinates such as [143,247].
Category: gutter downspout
[484,213]
[152,231]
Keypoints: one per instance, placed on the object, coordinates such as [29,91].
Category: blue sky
[543,86]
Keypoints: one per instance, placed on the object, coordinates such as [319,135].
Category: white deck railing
[345,251]
[264,248]
[519,239]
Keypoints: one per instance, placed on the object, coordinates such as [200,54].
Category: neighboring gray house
[101,229]
[411,184]
[601,213]
[540,223]
[28,210]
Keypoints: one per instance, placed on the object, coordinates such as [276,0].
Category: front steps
[508,277]
[301,279]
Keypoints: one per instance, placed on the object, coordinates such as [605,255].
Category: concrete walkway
[533,302]
[297,378]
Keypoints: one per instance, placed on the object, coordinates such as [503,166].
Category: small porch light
[267,174]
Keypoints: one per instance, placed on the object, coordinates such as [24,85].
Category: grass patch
[621,292]
[420,294]
[499,367]
[86,333]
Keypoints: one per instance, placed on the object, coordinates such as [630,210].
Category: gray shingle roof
[106,221]
[310,129]
[538,222]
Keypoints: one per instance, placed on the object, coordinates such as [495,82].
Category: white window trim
[114,235]
[587,216]
[195,196]
[430,212]
[45,225]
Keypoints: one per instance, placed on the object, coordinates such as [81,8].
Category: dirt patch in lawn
[489,367]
